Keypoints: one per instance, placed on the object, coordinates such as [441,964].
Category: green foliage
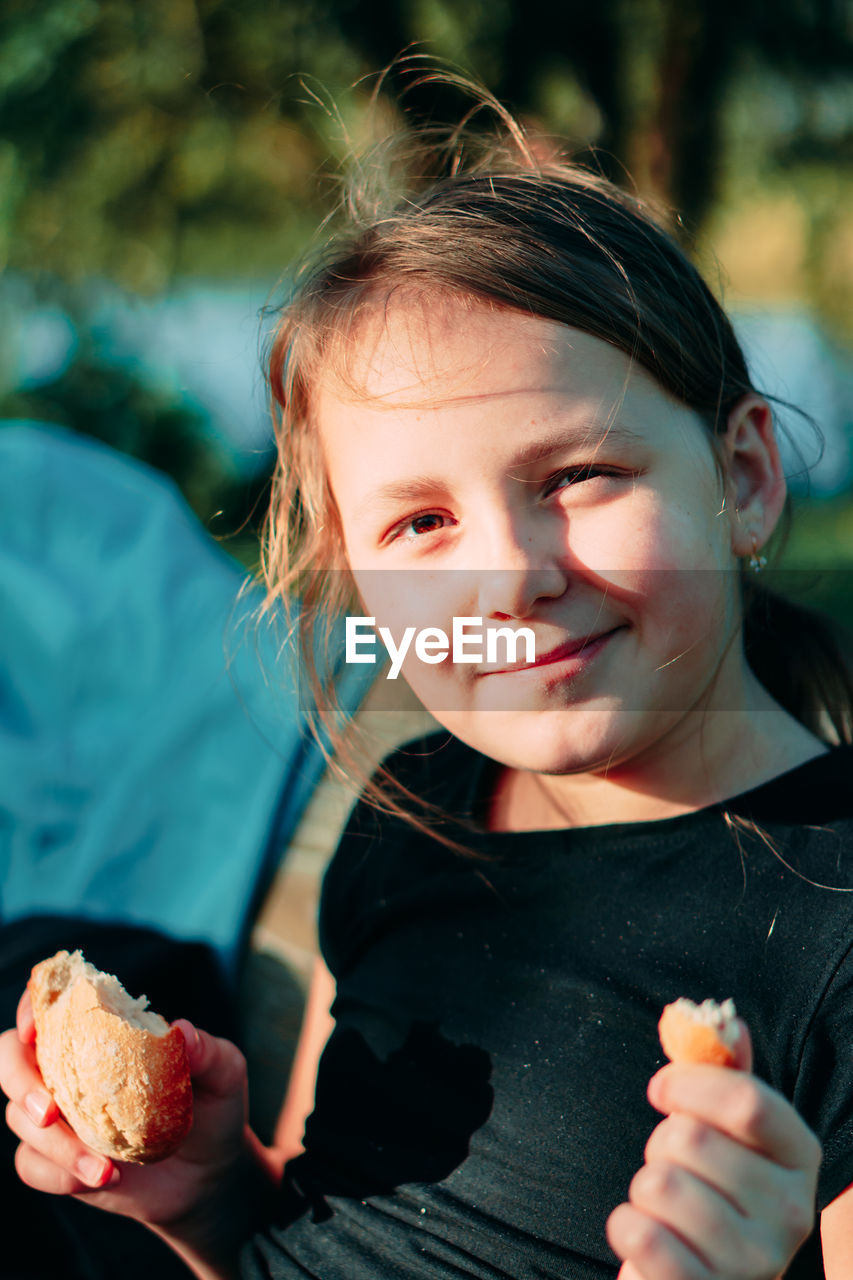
[145,141]
[148,141]
[817,562]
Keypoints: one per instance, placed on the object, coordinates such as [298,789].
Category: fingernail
[36,1105]
[191,1037]
[654,1091]
[92,1170]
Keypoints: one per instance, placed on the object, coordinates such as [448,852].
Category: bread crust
[699,1033]
[124,1090]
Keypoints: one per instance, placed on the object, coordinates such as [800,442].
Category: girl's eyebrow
[397,491]
[594,435]
[419,487]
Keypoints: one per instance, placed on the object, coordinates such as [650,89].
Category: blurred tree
[147,140]
[144,141]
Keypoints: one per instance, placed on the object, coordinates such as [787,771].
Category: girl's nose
[518,571]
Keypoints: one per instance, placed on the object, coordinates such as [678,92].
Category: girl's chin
[556,742]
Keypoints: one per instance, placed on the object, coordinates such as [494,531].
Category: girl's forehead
[422,390]
[417,351]
[422,382]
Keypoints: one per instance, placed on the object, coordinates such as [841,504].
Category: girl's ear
[755,481]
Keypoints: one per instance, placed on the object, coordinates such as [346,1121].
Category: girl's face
[497,466]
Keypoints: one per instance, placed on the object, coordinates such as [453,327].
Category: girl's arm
[210,1239]
[836,1235]
[317,1024]
[243,1203]
[239,1205]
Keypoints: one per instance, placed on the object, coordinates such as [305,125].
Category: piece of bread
[118,1073]
[706,1032]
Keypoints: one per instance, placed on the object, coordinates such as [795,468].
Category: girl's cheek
[622,558]
[399,601]
[656,541]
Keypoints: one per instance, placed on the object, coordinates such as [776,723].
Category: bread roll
[118,1073]
[706,1032]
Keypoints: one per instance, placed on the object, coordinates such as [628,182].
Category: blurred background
[164,162]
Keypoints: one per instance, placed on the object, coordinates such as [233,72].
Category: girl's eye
[417,526]
[576,475]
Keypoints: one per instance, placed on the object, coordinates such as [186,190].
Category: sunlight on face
[487,463]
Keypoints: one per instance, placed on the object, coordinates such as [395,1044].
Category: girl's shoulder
[818,791]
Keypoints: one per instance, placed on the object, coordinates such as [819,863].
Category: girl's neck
[720,755]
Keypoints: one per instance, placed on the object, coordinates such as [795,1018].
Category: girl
[509,400]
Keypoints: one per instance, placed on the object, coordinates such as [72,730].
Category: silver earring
[756,562]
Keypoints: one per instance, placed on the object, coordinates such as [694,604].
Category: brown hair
[490,221]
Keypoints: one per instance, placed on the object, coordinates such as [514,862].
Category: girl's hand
[52,1158]
[727,1191]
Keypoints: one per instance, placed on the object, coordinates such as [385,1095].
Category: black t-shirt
[481,1105]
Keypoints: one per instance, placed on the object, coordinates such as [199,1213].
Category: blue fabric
[153,755]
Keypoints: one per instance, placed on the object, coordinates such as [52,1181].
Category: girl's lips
[583,648]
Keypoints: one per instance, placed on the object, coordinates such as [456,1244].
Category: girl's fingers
[741,1106]
[754,1185]
[64,1165]
[629,1272]
[40,1173]
[743,1047]
[715,1182]
[52,1156]
[25,1022]
[217,1066]
[726,1241]
[21,1081]
[653,1251]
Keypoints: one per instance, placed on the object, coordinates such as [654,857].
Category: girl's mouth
[572,654]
